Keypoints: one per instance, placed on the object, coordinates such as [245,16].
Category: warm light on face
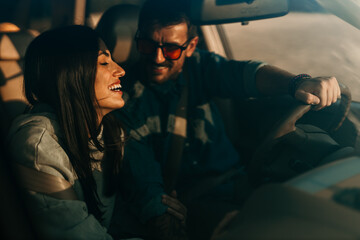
[108,84]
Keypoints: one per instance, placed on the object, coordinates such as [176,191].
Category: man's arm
[142,185]
[141,181]
[172,224]
[319,91]
[243,79]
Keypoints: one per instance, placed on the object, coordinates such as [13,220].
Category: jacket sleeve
[65,219]
[142,182]
[33,145]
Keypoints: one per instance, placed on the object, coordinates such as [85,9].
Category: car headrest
[13,43]
[117,27]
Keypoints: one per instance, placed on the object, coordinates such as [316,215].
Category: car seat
[15,209]
[117,27]
[13,44]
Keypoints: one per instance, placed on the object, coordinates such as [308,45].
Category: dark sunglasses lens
[172,52]
[145,47]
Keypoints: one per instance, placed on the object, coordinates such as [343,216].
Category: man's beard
[148,64]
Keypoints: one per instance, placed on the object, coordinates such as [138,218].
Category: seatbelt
[45,183]
[172,165]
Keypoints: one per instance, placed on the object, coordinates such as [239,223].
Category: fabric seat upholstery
[13,44]
[117,27]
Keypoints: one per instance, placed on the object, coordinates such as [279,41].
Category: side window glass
[317,43]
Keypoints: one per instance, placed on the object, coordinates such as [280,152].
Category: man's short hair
[163,13]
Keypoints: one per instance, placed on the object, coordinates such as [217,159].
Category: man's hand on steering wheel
[319,91]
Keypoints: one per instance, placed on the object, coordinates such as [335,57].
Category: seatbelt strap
[172,166]
[173,163]
[45,183]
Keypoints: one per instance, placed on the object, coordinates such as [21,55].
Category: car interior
[318,198]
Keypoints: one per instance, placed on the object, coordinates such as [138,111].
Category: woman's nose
[119,71]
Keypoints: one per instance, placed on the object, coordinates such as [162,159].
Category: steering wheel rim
[345,104]
[286,125]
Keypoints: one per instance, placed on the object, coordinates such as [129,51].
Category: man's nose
[159,56]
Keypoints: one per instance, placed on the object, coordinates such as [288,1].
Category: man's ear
[192,46]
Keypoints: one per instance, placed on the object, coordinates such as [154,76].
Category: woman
[72,84]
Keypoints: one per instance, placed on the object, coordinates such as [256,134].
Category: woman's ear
[192,46]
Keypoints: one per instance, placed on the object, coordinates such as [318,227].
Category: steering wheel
[287,125]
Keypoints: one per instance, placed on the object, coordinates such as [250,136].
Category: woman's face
[107,84]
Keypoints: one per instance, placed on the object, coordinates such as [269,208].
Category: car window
[316,43]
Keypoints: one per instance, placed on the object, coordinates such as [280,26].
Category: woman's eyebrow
[103,52]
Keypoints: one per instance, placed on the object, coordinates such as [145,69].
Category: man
[171,63]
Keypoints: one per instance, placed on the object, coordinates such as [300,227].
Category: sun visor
[205,12]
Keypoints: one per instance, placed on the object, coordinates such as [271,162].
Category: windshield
[316,43]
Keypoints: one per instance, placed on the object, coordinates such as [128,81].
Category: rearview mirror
[205,12]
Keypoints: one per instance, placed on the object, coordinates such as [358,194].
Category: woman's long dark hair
[60,70]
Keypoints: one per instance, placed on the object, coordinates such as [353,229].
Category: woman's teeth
[115,87]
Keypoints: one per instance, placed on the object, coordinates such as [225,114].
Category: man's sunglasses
[170,51]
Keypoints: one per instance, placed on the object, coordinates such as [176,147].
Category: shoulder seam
[37,147]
